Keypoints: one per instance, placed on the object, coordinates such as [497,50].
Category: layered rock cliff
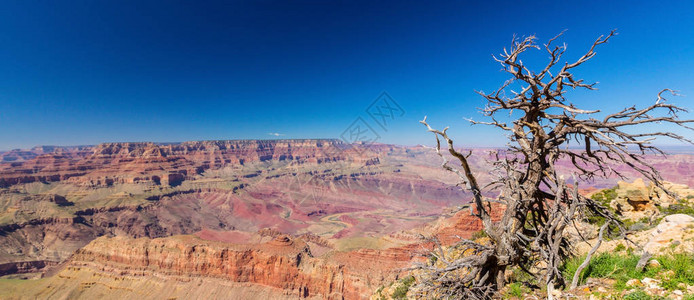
[167,164]
[284,263]
[294,187]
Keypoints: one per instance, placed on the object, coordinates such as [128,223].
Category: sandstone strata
[342,205]
[638,199]
[167,164]
[283,263]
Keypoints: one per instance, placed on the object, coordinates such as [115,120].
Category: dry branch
[538,205]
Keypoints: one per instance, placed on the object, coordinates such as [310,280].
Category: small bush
[678,209]
[630,250]
[379,292]
[520,276]
[603,198]
[620,247]
[401,291]
[478,235]
[433,259]
[681,264]
[517,290]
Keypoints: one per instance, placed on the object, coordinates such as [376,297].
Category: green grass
[621,267]
[517,289]
[518,275]
[637,295]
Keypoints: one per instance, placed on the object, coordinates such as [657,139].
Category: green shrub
[517,290]
[379,292]
[433,259]
[603,198]
[678,209]
[478,235]
[520,276]
[401,291]
[620,247]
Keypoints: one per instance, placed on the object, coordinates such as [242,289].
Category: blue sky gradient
[85,72]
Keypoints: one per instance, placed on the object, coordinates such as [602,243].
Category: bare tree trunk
[538,205]
[577,274]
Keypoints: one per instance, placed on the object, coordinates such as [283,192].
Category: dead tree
[538,205]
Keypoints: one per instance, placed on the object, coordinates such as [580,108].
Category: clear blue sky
[85,72]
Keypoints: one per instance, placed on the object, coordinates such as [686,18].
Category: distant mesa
[166,164]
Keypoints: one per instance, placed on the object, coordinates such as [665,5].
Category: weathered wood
[539,206]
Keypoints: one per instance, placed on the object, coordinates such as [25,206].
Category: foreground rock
[675,232]
[637,199]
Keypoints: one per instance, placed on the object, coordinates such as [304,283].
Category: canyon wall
[170,164]
[54,202]
[282,263]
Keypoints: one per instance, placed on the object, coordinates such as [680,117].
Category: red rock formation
[282,262]
[168,164]
[463,225]
[25,266]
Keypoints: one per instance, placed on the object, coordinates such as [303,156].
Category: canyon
[311,218]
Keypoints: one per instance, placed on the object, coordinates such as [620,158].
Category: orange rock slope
[283,263]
